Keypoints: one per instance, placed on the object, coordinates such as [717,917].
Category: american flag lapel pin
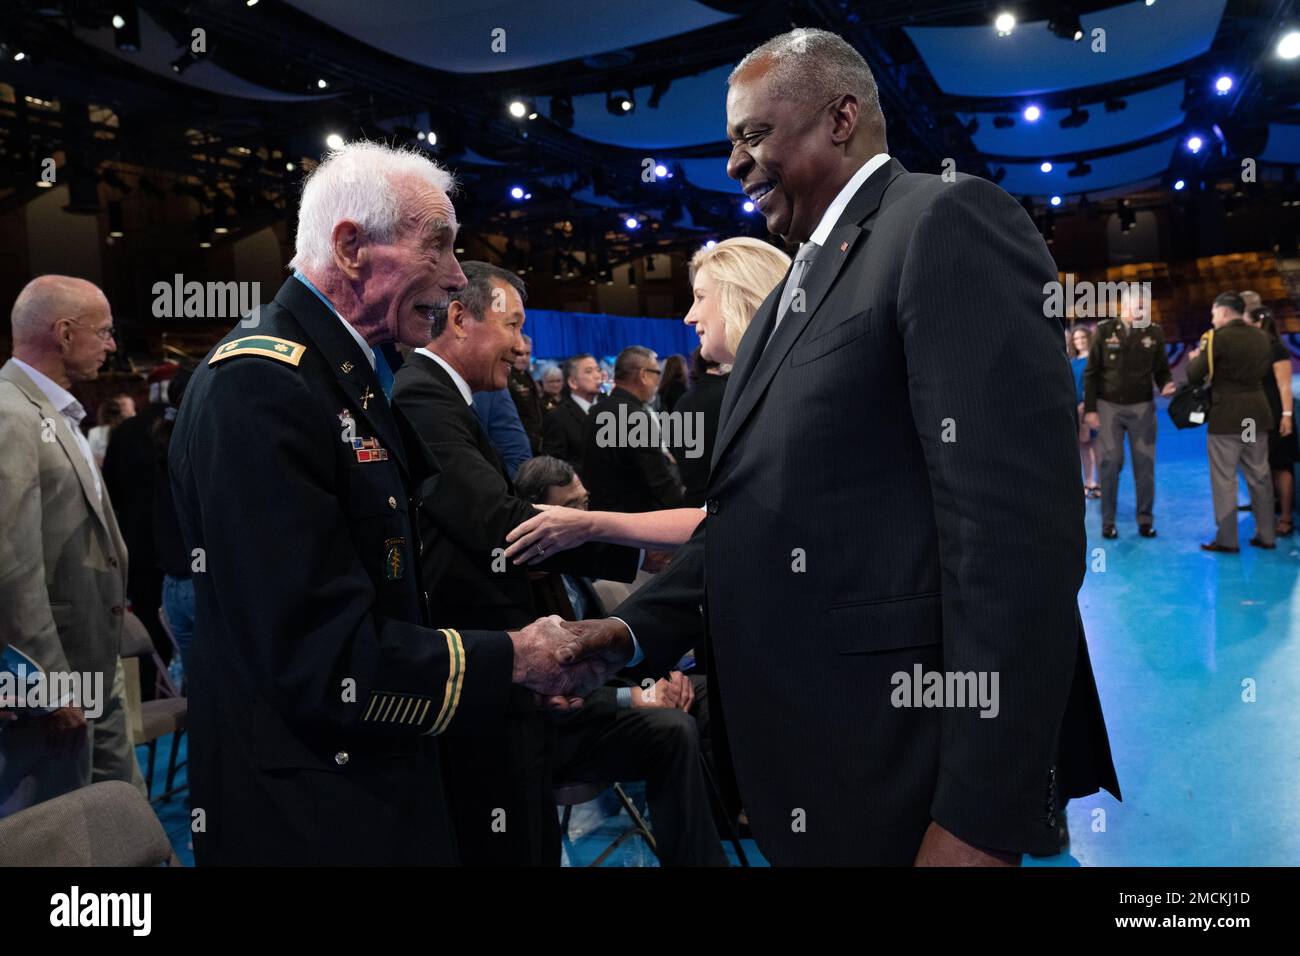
[844,246]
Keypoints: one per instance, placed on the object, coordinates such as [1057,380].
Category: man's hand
[1092,420]
[65,730]
[1285,426]
[1169,389]
[674,692]
[941,848]
[538,667]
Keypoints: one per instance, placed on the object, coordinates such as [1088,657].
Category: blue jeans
[178,605]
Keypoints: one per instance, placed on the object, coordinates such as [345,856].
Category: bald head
[61,326]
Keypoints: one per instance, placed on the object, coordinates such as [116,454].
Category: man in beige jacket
[62,560]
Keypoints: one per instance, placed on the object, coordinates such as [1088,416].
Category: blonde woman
[729,282]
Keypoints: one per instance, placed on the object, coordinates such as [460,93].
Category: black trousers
[662,747]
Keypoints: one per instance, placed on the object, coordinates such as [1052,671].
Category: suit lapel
[350,365]
[759,359]
[67,441]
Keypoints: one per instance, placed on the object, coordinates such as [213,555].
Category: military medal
[345,368]
[368,449]
[366,396]
[1147,341]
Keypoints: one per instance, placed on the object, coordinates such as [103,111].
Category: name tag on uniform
[368,449]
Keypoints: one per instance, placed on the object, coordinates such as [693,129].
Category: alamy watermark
[923,688]
[33,689]
[1097,300]
[208,300]
[646,429]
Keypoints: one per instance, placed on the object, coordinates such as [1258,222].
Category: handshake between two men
[562,661]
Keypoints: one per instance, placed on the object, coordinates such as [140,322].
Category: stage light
[1223,84]
[1074,119]
[748,206]
[288,167]
[334,141]
[19,56]
[517,192]
[1288,48]
[43,184]
[661,171]
[710,244]
[1179,185]
[1194,144]
[528,195]
[250,3]
[1032,114]
[115,227]
[205,244]
[126,26]
[322,84]
[1004,24]
[631,222]
[620,104]
[1046,167]
[1066,25]
[518,109]
[1056,200]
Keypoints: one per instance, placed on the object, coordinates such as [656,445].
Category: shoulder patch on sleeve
[267,346]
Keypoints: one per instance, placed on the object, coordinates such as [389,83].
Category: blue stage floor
[1209,779]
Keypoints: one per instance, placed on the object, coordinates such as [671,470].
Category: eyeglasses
[105,334]
[651,368]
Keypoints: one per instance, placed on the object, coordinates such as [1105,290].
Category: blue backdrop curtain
[557,335]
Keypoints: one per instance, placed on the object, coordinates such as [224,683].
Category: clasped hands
[562,661]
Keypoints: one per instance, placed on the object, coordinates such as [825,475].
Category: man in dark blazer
[564,429]
[624,467]
[462,527]
[317,690]
[891,498]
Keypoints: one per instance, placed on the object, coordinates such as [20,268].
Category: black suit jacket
[895,484]
[463,526]
[563,430]
[620,477]
[316,691]
[703,398]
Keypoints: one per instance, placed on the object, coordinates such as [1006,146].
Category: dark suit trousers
[661,747]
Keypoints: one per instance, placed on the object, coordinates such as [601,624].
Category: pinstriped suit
[895,483]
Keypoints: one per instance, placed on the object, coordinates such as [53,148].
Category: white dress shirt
[582,402]
[456,377]
[836,209]
[366,350]
[72,413]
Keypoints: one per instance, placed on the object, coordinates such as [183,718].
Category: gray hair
[814,66]
[358,183]
[477,293]
[538,474]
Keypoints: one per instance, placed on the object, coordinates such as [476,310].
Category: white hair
[357,183]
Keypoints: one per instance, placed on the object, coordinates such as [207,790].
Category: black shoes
[1258,543]
[1108,531]
[1215,546]
[1146,531]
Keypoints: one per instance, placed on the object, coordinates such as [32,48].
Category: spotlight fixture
[710,244]
[1004,24]
[184,62]
[748,206]
[1223,85]
[1194,144]
[661,171]
[1074,119]
[517,192]
[115,227]
[656,93]
[1080,168]
[620,104]
[632,222]
[322,84]
[1032,114]
[520,108]
[1065,24]
[1056,200]
[1179,185]
[334,141]
[562,111]
[1288,48]
[1046,167]
[126,26]
[1003,122]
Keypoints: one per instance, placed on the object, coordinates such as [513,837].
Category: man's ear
[351,252]
[457,318]
[846,119]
